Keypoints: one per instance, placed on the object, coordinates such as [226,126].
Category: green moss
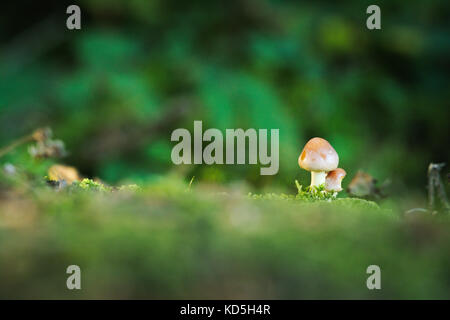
[130,187]
[90,185]
[356,203]
[317,195]
[313,193]
[180,239]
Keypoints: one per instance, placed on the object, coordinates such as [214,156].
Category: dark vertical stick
[430,187]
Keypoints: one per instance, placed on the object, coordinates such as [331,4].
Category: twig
[190,183]
[434,181]
[40,134]
[15,144]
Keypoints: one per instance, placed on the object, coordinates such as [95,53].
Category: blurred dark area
[116,89]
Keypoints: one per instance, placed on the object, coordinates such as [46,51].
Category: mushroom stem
[318,178]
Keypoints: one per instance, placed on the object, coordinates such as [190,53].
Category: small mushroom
[319,157]
[334,179]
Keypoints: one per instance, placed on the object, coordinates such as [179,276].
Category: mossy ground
[169,239]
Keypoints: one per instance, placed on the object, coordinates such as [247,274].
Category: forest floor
[173,240]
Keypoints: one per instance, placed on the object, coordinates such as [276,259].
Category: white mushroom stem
[318,178]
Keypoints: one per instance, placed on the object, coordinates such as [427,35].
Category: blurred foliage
[114,91]
[137,70]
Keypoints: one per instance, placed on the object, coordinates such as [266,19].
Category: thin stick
[190,183]
[15,144]
[431,186]
[434,181]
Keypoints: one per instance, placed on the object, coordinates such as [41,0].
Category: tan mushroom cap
[334,179]
[318,155]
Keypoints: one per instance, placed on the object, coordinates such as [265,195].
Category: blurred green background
[137,70]
[115,90]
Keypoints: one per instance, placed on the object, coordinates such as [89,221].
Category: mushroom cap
[318,155]
[334,179]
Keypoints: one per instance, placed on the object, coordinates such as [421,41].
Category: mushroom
[334,179]
[319,157]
